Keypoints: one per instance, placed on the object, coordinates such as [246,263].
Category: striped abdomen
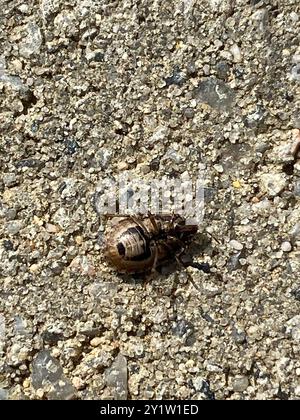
[134,244]
[129,248]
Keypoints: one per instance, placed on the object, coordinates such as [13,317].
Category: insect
[139,244]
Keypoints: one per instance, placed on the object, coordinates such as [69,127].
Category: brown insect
[139,244]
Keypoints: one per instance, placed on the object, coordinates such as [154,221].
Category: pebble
[9,179]
[116,377]
[293,327]
[95,342]
[33,41]
[160,134]
[236,245]
[286,246]
[223,70]
[216,93]
[297,188]
[236,53]
[273,183]
[14,227]
[3,394]
[240,384]
[236,184]
[219,168]
[46,371]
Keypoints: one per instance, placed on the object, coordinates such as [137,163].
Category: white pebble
[236,245]
[219,168]
[236,52]
[286,246]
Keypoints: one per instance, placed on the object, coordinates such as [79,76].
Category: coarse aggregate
[90,89]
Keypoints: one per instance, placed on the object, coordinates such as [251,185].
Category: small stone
[95,342]
[297,189]
[188,113]
[216,93]
[145,169]
[3,394]
[23,8]
[116,377]
[239,336]
[38,221]
[47,376]
[26,383]
[50,228]
[40,393]
[286,246]
[79,239]
[273,183]
[177,78]
[206,70]
[95,55]
[14,227]
[161,133]
[240,384]
[236,184]
[9,179]
[234,262]
[256,118]
[293,327]
[295,72]
[203,387]
[183,328]
[296,293]
[8,245]
[81,264]
[32,43]
[236,53]
[122,166]
[52,335]
[219,168]
[294,16]
[20,325]
[223,70]
[236,245]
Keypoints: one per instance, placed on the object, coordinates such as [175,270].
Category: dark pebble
[154,164]
[8,245]
[239,337]
[99,57]
[205,389]
[188,113]
[296,293]
[71,146]
[177,78]
[30,163]
[223,70]
[51,337]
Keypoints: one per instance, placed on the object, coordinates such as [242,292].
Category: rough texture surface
[91,88]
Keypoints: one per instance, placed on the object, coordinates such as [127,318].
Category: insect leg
[153,269]
[153,221]
[178,260]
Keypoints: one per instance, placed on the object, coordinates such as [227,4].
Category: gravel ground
[91,88]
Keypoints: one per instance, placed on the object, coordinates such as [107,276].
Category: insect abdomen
[134,244]
[129,248]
